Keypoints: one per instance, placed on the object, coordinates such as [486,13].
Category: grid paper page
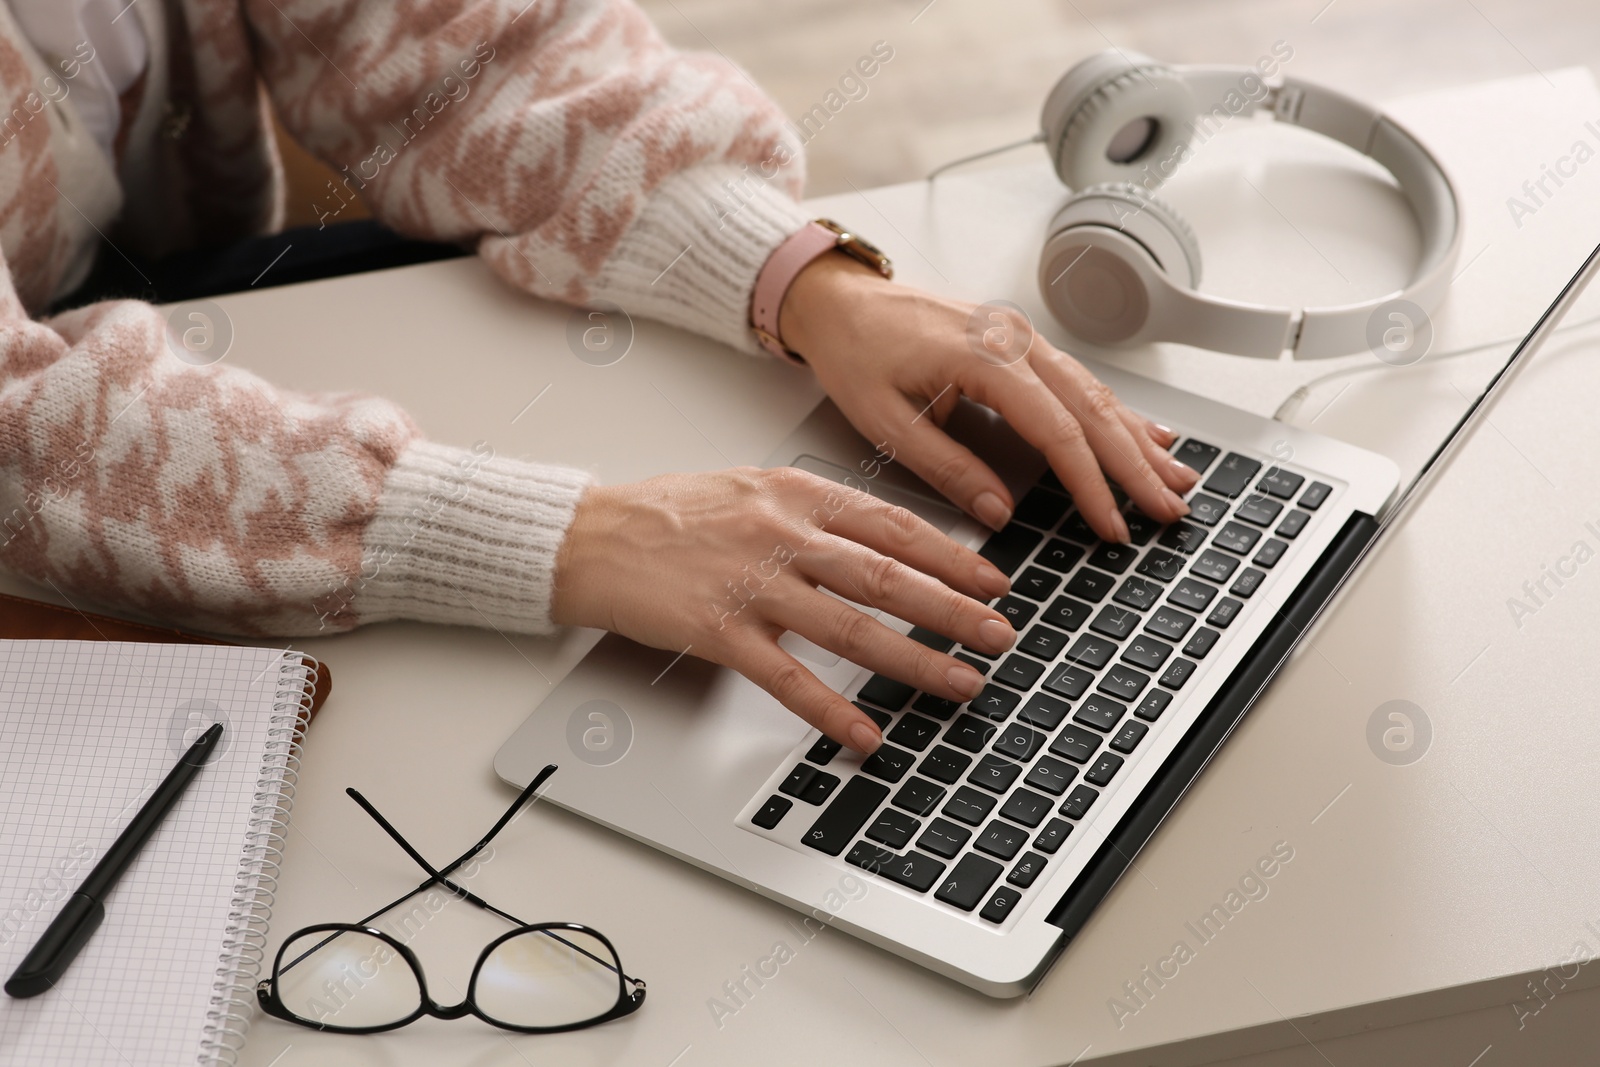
[87,731]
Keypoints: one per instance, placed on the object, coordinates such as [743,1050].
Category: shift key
[837,826]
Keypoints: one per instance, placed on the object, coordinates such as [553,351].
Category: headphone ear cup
[1118,117]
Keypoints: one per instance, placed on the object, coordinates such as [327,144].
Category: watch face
[859,247]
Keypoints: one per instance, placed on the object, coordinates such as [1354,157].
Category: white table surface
[1414,892]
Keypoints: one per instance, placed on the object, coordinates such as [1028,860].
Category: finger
[1164,436]
[759,659]
[900,534]
[1180,477]
[951,468]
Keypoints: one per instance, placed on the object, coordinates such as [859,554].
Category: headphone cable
[985,154]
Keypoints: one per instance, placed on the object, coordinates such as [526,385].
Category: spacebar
[849,812]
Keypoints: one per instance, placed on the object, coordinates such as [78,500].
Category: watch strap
[777,274]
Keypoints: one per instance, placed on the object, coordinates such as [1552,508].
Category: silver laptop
[987,832]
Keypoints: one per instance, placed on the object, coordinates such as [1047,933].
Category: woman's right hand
[721,564]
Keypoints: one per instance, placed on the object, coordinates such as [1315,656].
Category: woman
[587,162]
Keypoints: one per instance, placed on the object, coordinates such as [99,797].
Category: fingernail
[1175,502]
[1184,471]
[992,510]
[865,738]
[991,581]
[1166,431]
[997,636]
[1119,528]
[965,680]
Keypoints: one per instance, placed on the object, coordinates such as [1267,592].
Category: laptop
[978,840]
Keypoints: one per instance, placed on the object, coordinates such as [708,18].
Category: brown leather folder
[32,620]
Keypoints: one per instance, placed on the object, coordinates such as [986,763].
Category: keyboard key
[970,733]
[1001,839]
[1137,593]
[926,637]
[1226,610]
[968,882]
[1153,704]
[914,871]
[843,819]
[1104,768]
[1007,548]
[1203,641]
[1076,529]
[1090,585]
[1051,775]
[1237,538]
[822,750]
[888,763]
[994,703]
[1162,566]
[1271,552]
[1124,683]
[1028,868]
[1068,681]
[1049,480]
[1183,537]
[1207,509]
[893,828]
[1018,612]
[1113,557]
[1292,524]
[1026,807]
[1129,736]
[945,764]
[944,838]
[1092,651]
[1066,613]
[1019,742]
[969,806]
[1261,510]
[1313,497]
[1178,672]
[919,796]
[1280,483]
[1100,712]
[881,718]
[1196,455]
[914,732]
[1059,555]
[940,708]
[1147,652]
[1249,581]
[1052,837]
[971,659]
[1019,671]
[1035,583]
[1044,711]
[1042,508]
[1043,642]
[1232,475]
[1169,622]
[886,692]
[1214,566]
[869,857]
[1193,595]
[1075,744]
[1078,802]
[809,784]
[1141,527]
[772,812]
[1000,905]
[1114,622]
[994,774]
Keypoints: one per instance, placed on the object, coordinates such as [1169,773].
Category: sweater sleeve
[583,157]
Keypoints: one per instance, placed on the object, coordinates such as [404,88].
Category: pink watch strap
[778,273]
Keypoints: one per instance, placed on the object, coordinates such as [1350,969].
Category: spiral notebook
[87,730]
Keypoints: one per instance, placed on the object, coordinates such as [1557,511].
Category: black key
[1178,672]
[914,871]
[1280,483]
[1043,642]
[1069,681]
[968,882]
[1019,742]
[1035,583]
[1007,548]
[1001,839]
[1271,552]
[1169,622]
[1137,593]
[1261,510]
[1042,508]
[772,812]
[1129,736]
[1203,641]
[1147,652]
[843,819]
[1100,712]
[945,764]
[1029,867]
[1018,612]
[940,708]
[994,703]
[1044,711]
[1141,527]
[970,733]
[888,763]
[870,857]
[1249,581]
[1292,524]
[1225,611]
[918,796]
[969,806]
[1026,807]
[944,838]
[1113,557]
[914,732]
[1093,652]
[809,784]
[1232,475]
[1090,585]
[1214,566]
[1114,622]
[1162,566]
[1236,538]
[1049,480]
[1153,704]
[886,692]
[971,660]
[881,718]
[1207,509]
[1075,744]
[893,828]
[1193,595]
[994,774]
[1000,905]
[1066,613]
[1196,455]
[924,636]
[1019,672]
[1059,555]
[1124,683]
[822,750]
[1052,837]
[1183,537]
[1104,768]
[1078,802]
[1313,497]
[1051,775]
[1076,529]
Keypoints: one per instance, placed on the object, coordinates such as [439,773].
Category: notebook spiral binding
[255,889]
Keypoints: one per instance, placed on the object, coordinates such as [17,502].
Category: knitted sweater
[563,137]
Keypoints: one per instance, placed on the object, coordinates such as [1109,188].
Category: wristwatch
[785,264]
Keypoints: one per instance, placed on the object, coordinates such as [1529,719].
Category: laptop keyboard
[970,802]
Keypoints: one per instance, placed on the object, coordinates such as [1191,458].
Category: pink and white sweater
[586,156]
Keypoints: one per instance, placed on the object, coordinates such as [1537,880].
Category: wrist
[578,599]
[821,295]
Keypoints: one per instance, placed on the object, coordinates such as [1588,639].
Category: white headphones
[1120,268]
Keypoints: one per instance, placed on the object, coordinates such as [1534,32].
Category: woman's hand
[722,564]
[896,360]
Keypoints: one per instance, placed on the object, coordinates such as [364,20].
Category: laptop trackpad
[940,514]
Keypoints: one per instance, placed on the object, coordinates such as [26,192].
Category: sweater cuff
[692,255]
[462,536]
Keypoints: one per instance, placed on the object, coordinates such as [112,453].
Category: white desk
[1415,892]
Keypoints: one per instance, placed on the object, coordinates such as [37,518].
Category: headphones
[1120,267]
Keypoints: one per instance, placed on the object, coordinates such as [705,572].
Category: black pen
[84,910]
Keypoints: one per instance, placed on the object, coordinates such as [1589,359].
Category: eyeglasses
[539,978]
